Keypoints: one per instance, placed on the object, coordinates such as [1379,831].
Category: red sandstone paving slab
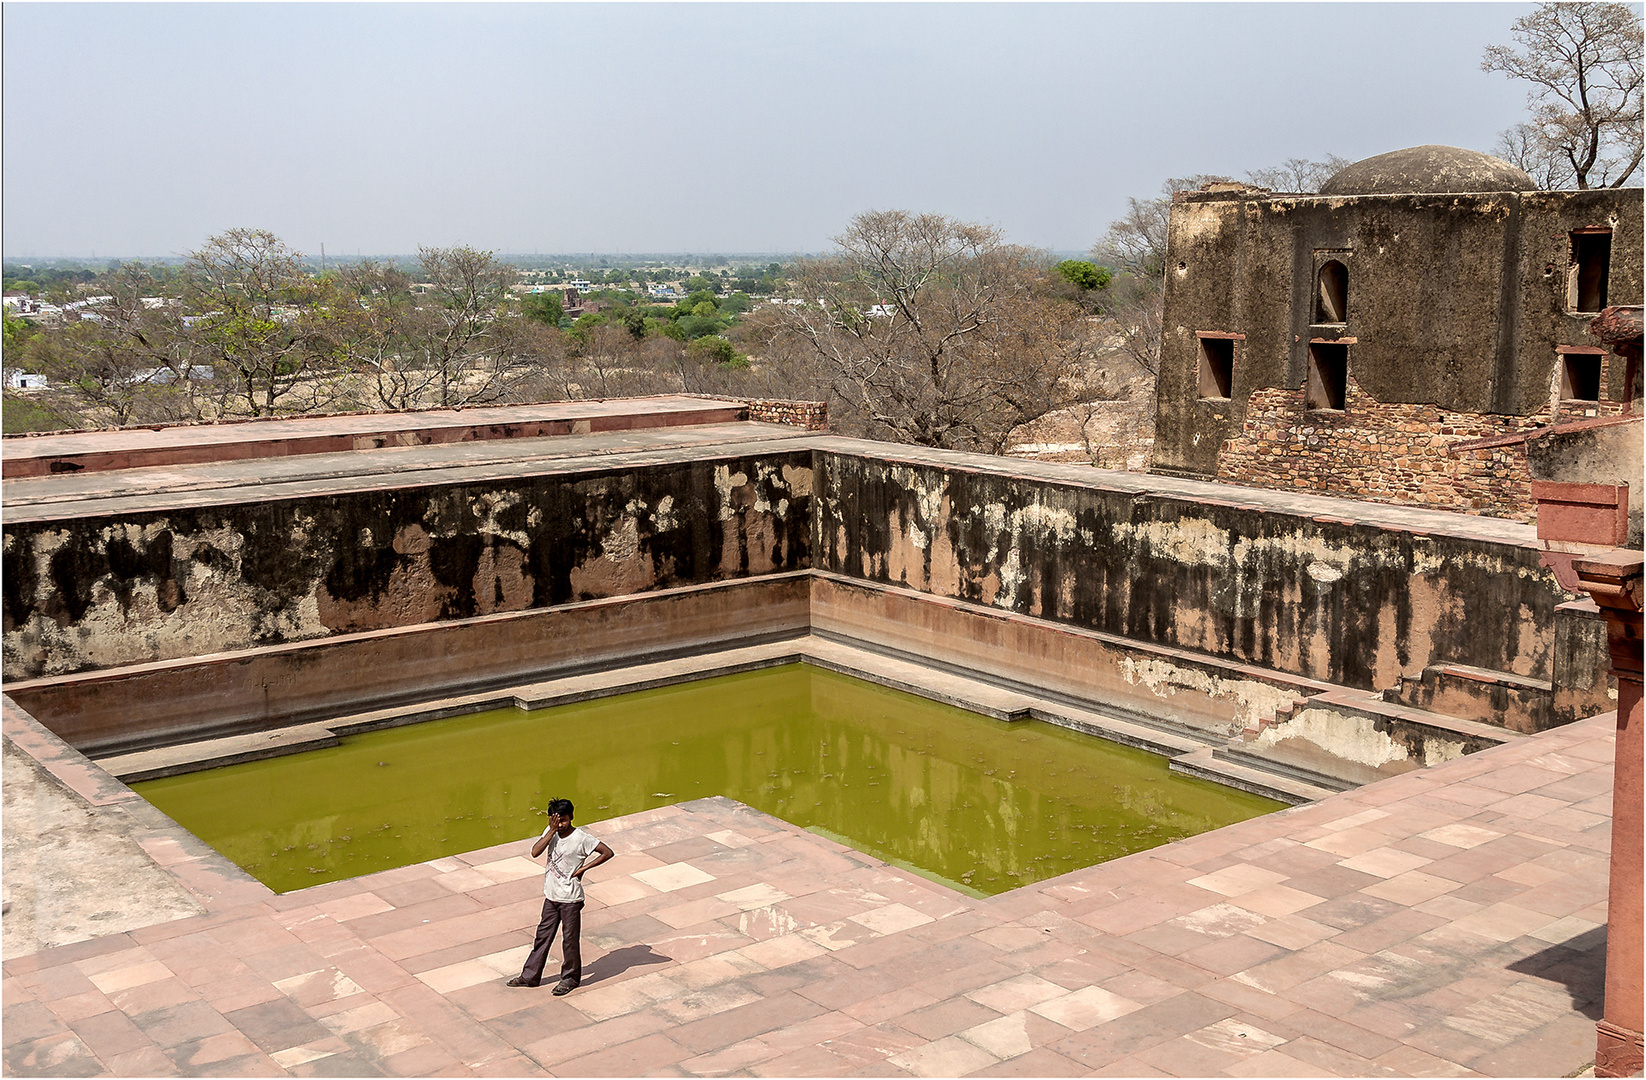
[513,1065]
[1544,1051]
[79,1006]
[1126,1066]
[60,980]
[285,961]
[1037,1062]
[186,1022]
[945,1018]
[63,1055]
[730,1059]
[1232,954]
[1409,1061]
[193,1057]
[559,1047]
[155,995]
[1275,1063]
[68,954]
[1182,1057]
[809,1061]
[144,1061]
[108,1034]
[238,992]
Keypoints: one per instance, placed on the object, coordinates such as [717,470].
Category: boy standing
[572,852]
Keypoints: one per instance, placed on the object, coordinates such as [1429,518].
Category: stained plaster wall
[1319,599]
[1456,302]
[1323,599]
[96,593]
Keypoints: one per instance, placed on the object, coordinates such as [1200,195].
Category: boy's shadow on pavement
[620,960]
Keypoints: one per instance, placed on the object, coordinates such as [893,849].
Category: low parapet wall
[1105,582]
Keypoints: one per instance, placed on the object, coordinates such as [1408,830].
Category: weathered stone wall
[95,593]
[1325,599]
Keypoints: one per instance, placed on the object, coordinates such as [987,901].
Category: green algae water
[982,805]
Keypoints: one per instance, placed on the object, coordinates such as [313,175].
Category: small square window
[1216,366]
[1328,376]
[1579,377]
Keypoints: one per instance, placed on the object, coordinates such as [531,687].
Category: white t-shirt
[565,855]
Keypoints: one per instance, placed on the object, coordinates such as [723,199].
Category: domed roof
[1427,170]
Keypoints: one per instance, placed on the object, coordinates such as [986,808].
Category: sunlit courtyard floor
[1447,922]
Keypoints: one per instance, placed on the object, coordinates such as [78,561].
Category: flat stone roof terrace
[1449,921]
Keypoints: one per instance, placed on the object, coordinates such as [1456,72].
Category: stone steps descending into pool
[1344,738]
[1256,776]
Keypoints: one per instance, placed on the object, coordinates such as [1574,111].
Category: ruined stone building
[1395,337]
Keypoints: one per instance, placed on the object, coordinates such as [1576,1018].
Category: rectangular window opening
[1328,376]
[1579,377]
[1591,258]
[1216,366]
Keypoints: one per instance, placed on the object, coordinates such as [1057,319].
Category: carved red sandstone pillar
[1614,580]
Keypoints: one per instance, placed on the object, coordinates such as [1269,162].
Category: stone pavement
[1443,922]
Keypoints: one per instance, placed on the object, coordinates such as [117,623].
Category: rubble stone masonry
[1390,452]
[811,415]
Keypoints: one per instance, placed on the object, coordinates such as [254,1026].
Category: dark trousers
[569,916]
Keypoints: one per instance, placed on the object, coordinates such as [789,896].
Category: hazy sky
[139,129]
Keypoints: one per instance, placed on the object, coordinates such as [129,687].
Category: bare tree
[128,357]
[253,322]
[1298,175]
[471,344]
[1584,63]
[374,333]
[929,330]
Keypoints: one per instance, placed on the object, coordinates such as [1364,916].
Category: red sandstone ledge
[41,454]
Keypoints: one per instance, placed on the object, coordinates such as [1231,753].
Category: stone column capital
[1614,581]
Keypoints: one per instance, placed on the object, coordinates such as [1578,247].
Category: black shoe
[564,987]
[519,981]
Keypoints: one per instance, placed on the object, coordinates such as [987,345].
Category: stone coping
[268,479]
[1448,921]
[46,444]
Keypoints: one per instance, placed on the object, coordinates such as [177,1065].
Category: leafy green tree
[714,349]
[737,303]
[1084,275]
[696,326]
[585,325]
[545,307]
[18,332]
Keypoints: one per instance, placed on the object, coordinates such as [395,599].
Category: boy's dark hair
[561,806]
